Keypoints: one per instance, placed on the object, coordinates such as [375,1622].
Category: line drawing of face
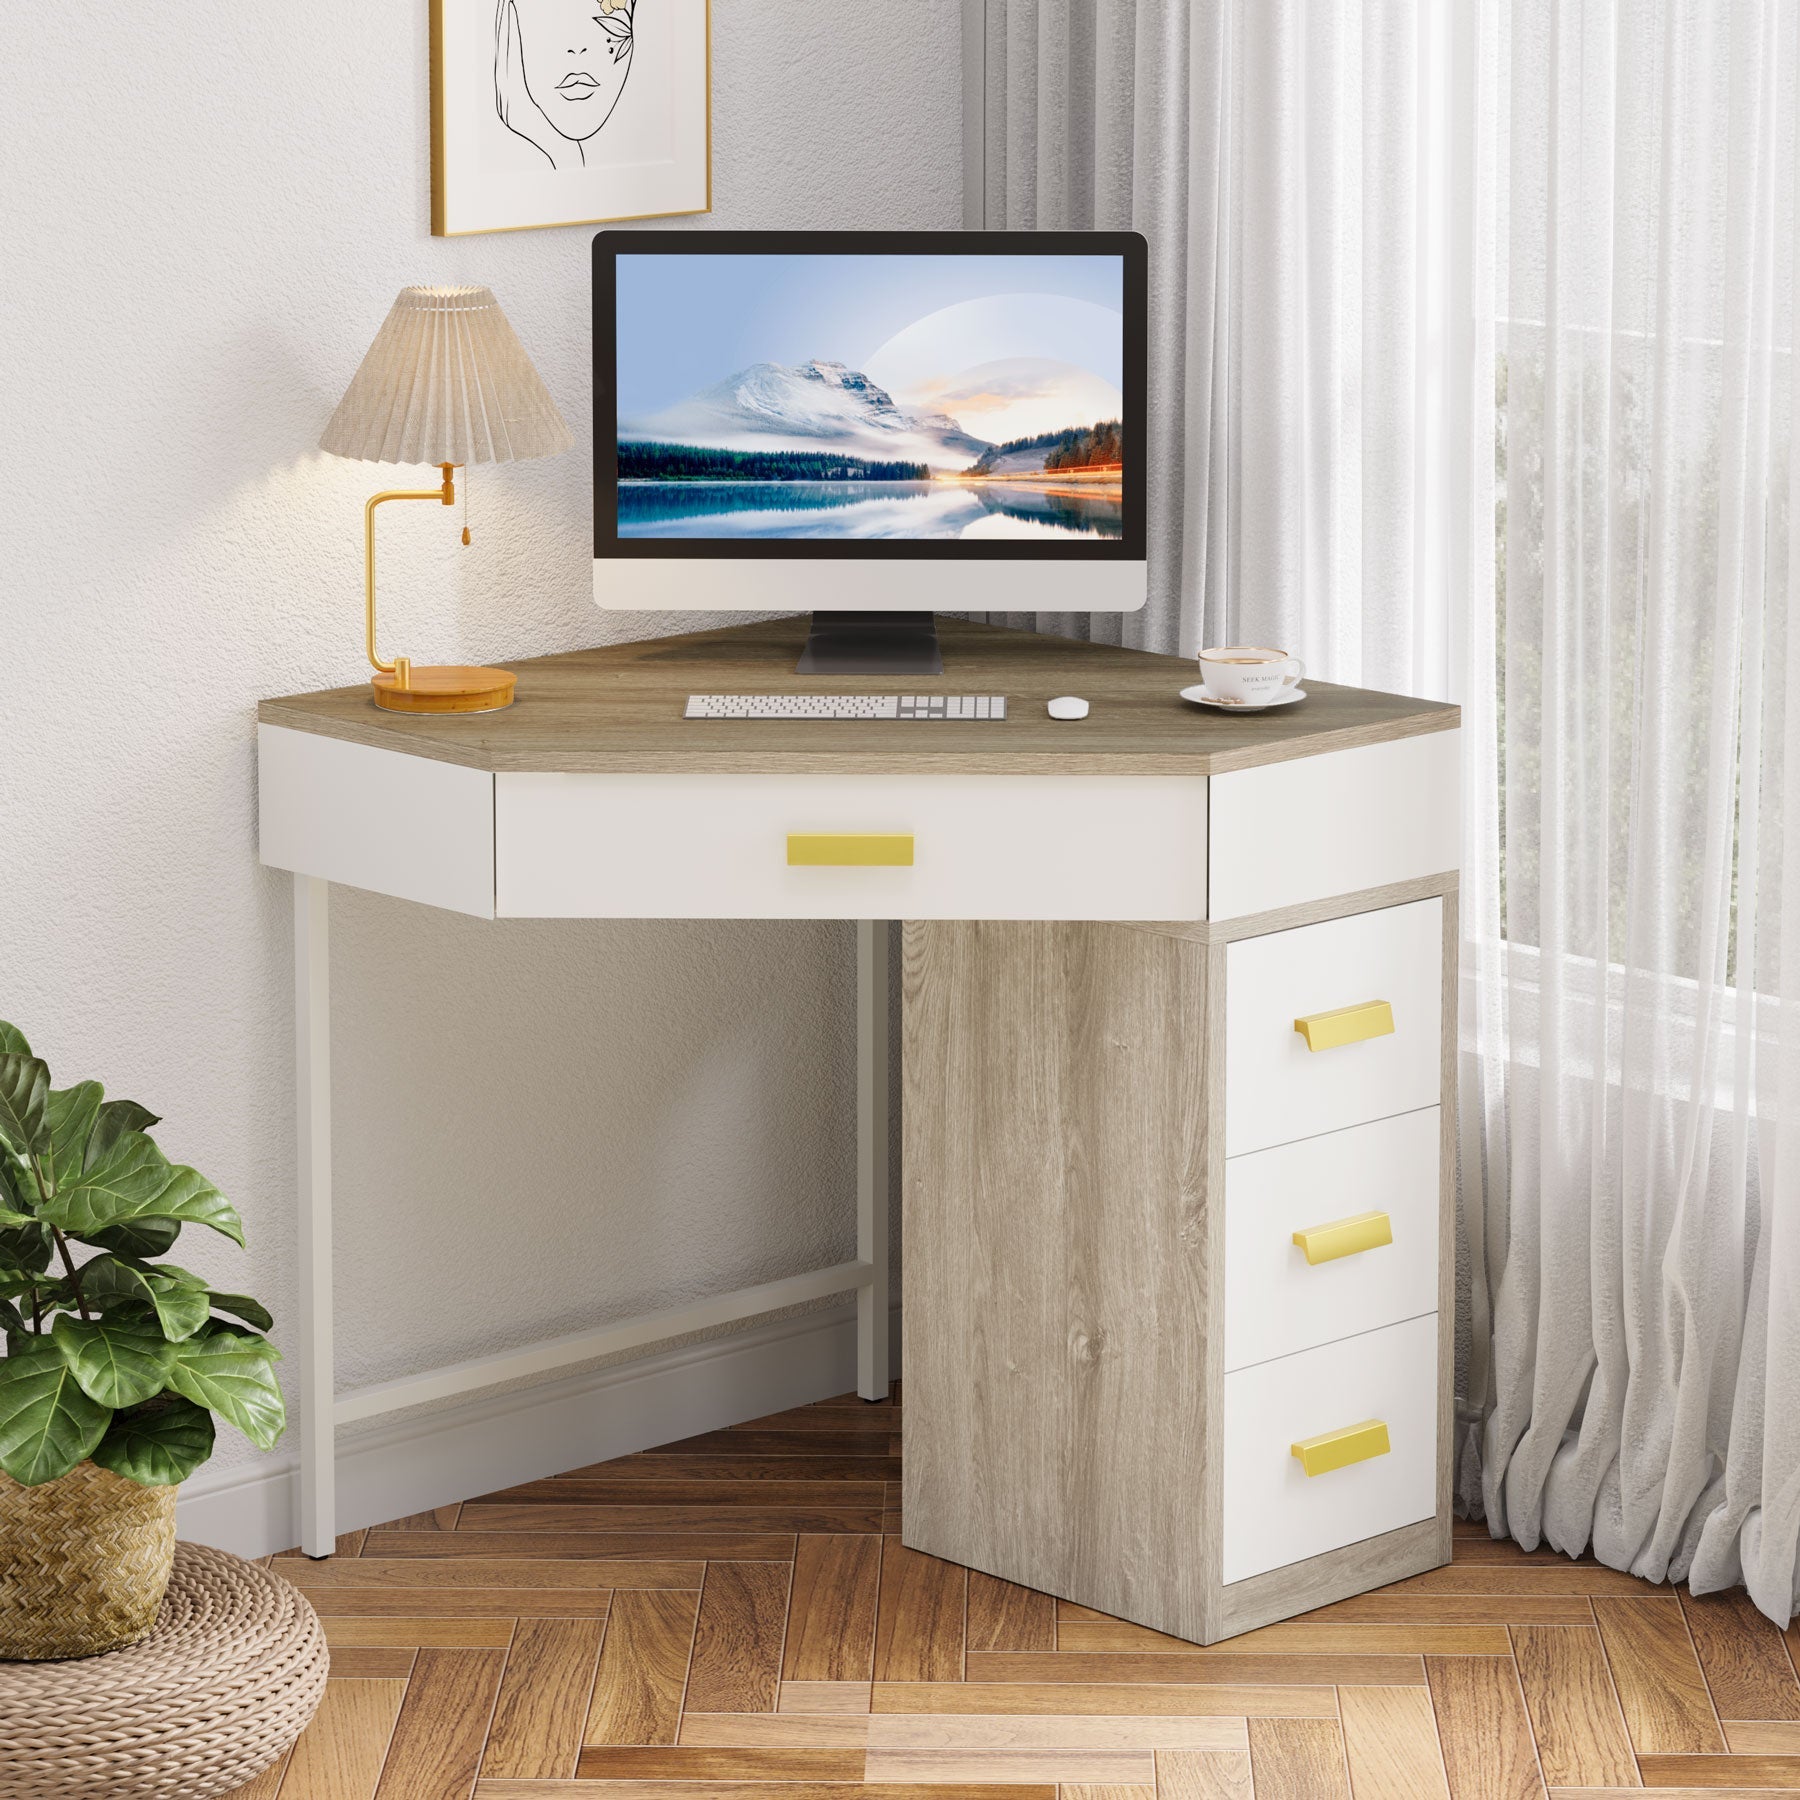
[560,67]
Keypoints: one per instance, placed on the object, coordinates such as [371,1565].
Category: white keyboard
[846,706]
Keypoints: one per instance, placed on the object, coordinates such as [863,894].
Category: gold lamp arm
[400,667]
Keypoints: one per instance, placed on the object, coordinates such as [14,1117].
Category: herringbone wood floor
[734,1618]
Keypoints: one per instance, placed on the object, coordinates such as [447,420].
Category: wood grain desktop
[809,1663]
[617,710]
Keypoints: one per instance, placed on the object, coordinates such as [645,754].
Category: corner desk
[1178,1045]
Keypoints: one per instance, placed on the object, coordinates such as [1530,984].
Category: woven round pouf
[230,1675]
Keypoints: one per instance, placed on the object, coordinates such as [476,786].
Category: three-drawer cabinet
[1179,1272]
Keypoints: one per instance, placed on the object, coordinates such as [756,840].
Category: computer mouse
[1068,706]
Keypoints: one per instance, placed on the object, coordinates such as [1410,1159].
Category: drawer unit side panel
[1058,1338]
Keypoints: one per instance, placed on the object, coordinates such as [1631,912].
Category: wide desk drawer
[1333,1024]
[1331,1236]
[1361,1415]
[849,846]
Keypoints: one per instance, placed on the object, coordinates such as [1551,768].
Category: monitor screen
[845,395]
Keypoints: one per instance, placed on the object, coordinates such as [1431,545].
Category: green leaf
[160,1445]
[12,1040]
[24,1091]
[142,1237]
[134,1180]
[25,1245]
[241,1306]
[11,1322]
[18,1187]
[112,1285]
[173,1272]
[116,1118]
[51,1290]
[47,1424]
[69,1115]
[234,1377]
[116,1364]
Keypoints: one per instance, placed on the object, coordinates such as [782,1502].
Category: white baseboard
[496,1441]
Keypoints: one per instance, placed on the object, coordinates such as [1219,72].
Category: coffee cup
[1249,674]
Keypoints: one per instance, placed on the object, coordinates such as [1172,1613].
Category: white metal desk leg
[312,1070]
[872,1156]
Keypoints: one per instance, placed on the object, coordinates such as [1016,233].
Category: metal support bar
[872,1156]
[606,1340]
[312,1070]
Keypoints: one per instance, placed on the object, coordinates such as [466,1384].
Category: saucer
[1200,697]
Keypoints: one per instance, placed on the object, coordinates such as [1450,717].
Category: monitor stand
[871,643]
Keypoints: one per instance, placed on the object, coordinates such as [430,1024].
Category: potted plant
[115,1361]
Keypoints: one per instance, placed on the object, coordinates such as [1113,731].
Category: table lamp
[447,382]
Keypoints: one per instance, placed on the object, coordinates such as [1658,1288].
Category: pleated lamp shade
[446,381]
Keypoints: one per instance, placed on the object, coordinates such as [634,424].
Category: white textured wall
[208,210]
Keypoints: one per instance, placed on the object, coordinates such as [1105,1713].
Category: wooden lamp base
[452,689]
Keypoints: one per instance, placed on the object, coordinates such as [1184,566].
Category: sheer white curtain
[1631,1059]
[1473,352]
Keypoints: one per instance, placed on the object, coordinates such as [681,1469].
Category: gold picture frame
[512,151]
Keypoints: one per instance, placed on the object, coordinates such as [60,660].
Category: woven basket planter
[83,1563]
[231,1675]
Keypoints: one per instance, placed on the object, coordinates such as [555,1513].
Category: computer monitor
[871,426]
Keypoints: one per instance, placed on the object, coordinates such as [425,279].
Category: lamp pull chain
[465,506]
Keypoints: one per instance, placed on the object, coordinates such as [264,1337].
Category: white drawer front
[401,825]
[1337,823]
[1276,1089]
[984,846]
[1276,1302]
[1275,1513]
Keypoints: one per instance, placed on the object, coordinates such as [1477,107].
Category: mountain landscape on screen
[820,407]
[869,397]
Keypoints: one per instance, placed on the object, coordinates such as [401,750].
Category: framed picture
[568,112]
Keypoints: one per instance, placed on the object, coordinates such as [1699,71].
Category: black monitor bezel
[1130,246]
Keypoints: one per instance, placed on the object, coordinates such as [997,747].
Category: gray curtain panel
[1090,117]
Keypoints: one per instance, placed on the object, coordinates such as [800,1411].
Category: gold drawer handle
[1339,1449]
[850,850]
[1345,1237]
[1346,1025]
